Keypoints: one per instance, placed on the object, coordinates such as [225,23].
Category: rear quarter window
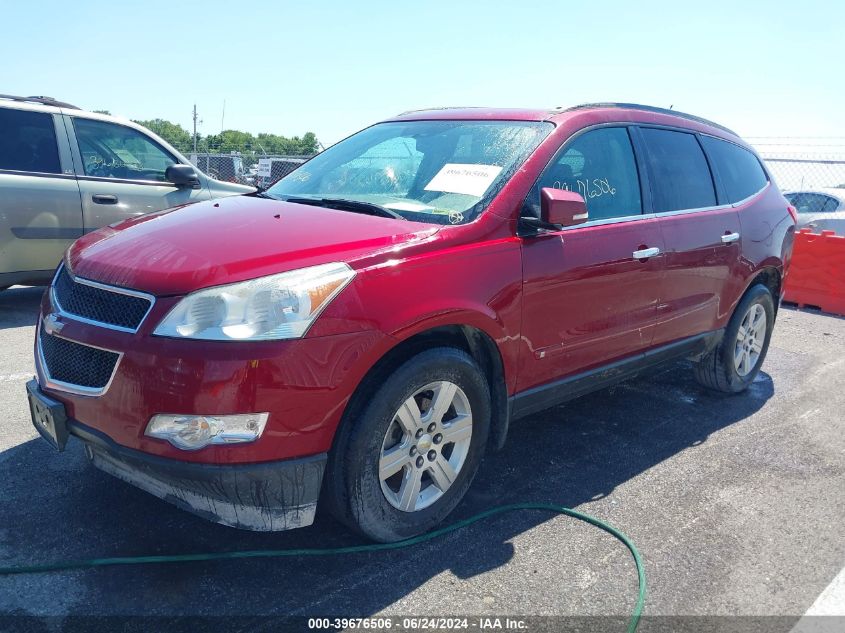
[679,174]
[739,170]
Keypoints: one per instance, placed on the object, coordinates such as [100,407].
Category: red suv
[358,335]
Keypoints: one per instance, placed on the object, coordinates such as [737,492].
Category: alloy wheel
[749,340]
[425,446]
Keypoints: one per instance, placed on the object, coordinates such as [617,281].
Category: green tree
[230,141]
[275,144]
[173,133]
[309,143]
[266,143]
[250,147]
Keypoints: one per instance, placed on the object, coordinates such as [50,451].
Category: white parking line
[831,602]
[16,377]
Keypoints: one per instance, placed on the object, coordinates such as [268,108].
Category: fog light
[191,432]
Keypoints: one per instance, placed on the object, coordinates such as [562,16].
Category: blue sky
[763,68]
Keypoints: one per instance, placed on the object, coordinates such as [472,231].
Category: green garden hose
[353,549]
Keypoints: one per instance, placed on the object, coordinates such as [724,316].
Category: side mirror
[182,176]
[560,207]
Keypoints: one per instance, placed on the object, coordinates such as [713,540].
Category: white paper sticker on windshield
[472,180]
[408,206]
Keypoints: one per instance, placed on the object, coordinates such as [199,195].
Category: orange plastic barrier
[817,271]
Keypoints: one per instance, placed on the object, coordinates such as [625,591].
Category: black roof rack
[637,106]
[48,101]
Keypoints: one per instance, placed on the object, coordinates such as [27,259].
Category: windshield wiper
[355,206]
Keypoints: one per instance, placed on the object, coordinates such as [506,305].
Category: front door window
[110,150]
[599,165]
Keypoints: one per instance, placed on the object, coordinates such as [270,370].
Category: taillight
[793,212]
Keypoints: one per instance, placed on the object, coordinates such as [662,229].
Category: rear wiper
[356,206]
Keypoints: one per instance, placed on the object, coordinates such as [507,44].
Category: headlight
[192,432]
[274,307]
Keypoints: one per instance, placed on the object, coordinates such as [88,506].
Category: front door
[122,173]
[589,293]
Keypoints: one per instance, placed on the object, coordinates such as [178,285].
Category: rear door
[587,298]
[40,210]
[701,232]
[121,173]
[743,183]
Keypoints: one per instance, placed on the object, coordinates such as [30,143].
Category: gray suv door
[40,210]
[121,173]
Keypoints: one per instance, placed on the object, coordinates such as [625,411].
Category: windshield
[444,172]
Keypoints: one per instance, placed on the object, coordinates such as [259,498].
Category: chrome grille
[104,305]
[75,365]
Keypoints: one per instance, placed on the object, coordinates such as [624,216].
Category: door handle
[100,198]
[730,238]
[646,253]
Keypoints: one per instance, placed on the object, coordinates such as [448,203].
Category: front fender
[477,285]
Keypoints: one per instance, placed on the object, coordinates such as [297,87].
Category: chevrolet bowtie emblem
[52,325]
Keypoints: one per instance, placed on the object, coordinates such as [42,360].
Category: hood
[232,239]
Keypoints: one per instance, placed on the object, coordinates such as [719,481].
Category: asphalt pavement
[737,504]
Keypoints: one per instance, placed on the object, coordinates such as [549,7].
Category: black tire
[717,369]
[353,492]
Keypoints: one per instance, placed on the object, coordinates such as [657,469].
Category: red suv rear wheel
[733,364]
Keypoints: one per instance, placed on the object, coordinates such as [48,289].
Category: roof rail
[48,101]
[440,108]
[637,106]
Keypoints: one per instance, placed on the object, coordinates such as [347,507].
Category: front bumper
[304,384]
[265,497]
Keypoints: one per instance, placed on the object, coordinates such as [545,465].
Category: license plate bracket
[48,416]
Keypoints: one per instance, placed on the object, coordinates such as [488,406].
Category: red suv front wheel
[408,457]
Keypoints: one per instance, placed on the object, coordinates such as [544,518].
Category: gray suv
[65,172]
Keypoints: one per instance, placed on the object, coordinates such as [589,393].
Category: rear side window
[600,166]
[739,169]
[680,176]
[28,142]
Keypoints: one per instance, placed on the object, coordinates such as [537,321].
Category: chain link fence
[269,169]
[806,172]
[804,164]
[246,168]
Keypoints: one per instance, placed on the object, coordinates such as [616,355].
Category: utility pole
[195,128]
